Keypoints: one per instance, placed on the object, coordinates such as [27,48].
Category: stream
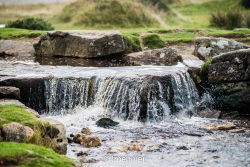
[155,108]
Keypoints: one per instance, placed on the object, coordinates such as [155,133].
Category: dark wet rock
[209,113]
[85,44]
[162,55]
[70,140]
[182,148]
[16,48]
[106,122]
[31,90]
[16,132]
[229,75]
[206,47]
[81,153]
[71,135]
[9,92]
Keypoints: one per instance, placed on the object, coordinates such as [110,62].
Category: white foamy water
[173,142]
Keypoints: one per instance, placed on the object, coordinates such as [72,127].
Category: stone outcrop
[162,55]
[59,136]
[206,47]
[9,92]
[84,44]
[16,48]
[229,74]
[16,132]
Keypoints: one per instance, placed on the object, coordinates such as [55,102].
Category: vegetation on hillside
[29,155]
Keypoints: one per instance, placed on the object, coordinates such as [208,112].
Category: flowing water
[154,106]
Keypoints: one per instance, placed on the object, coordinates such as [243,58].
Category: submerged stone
[106,122]
[84,44]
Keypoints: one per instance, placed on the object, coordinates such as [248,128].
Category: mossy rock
[132,42]
[29,155]
[153,41]
[44,133]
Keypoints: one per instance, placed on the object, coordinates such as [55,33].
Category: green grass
[178,37]
[14,113]
[6,33]
[29,155]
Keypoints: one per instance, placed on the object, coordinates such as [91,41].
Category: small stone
[237,131]
[69,140]
[71,135]
[81,153]
[17,132]
[91,141]
[221,126]
[86,131]
[182,148]
[78,138]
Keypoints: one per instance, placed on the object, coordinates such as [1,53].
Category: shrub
[234,18]
[31,24]
[153,41]
[245,3]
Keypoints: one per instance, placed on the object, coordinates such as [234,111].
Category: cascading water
[144,98]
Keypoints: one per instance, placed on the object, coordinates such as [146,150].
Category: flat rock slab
[16,48]
[161,55]
[84,44]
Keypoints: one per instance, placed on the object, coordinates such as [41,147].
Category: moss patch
[29,155]
[153,41]
[43,130]
[132,42]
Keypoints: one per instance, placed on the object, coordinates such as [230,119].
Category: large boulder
[16,132]
[16,48]
[162,55]
[229,74]
[84,44]
[206,47]
[9,92]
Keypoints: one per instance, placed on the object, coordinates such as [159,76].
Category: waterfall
[142,98]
